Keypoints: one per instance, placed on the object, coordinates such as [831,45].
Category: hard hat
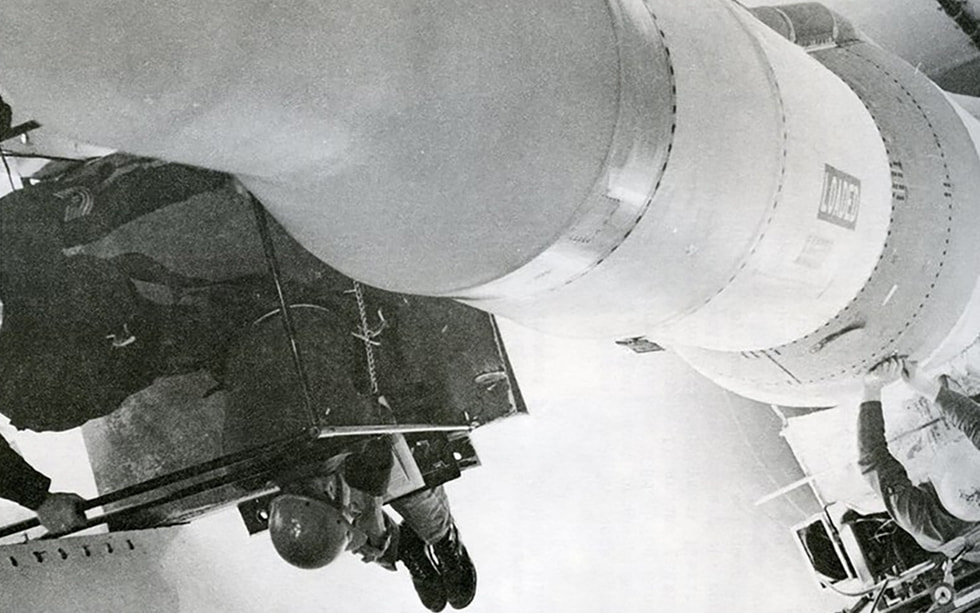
[958,484]
[306,532]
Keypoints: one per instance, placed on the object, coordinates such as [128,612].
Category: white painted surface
[440,150]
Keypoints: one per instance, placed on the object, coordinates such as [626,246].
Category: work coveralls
[81,332]
[917,509]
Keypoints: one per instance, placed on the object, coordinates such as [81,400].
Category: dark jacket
[76,337]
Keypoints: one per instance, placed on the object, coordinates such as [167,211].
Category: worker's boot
[413,553]
[456,568]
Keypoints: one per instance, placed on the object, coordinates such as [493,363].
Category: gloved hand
[61,512]
[361,544]
[880,375]
[370,536]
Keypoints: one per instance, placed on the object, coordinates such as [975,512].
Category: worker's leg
[427,521]
[427,513]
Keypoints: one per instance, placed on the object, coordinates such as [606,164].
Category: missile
[765,192]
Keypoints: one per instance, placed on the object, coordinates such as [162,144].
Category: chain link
[367,335]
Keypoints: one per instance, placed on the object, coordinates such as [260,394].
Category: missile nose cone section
[416,146]
[615,169]
[496,143]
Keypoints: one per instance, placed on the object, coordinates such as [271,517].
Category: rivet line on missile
[852,53]
[947,196]
[777,194]
[893,160]
[933,118]
[663,167]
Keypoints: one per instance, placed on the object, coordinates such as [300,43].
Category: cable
[858,594]
[881,592]
[880,533]
[888,578]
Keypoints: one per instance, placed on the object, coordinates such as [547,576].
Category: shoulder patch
[80,202]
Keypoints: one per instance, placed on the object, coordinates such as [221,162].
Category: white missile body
[783,209]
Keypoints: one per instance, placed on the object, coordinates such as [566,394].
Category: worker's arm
[368,472]
[915,510]
[375,534]
[103,194]
[20,483]
[962,412]
[40,224]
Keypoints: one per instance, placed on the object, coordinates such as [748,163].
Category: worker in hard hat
[327,508]
[318,516]
[938,521]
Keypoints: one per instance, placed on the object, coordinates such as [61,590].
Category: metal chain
[367,335]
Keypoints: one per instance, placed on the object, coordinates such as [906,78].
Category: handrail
[267,471]
[190,472]
[287,320]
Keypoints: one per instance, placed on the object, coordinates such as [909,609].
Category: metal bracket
[287,319]
[640,344]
